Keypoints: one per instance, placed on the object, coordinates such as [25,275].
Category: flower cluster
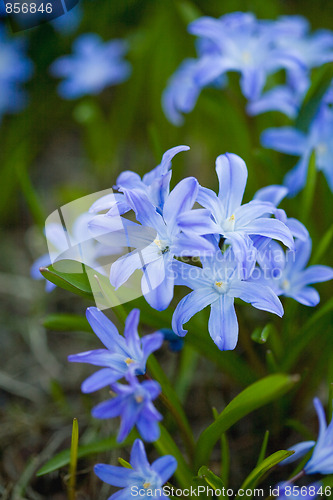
[124,357]
[225,250]
[15,69]
[93,66]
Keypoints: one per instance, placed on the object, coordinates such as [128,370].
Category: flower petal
[273,194]
[189,306]
[198,221]
[117,476]
[165,467]
[232,173]
[105,330]
[181,199]
[271,228]
[315,274]
[151,343]
[300,450]
[100,379]
[138,456]
[284,139]
[259,296]
[307,296]
[157,284]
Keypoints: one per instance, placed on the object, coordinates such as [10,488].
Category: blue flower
[292,141]
[93,66]
[143,478]
[225,215]
[245,45]
[15,69]
[155,185]
[235,42]
[183,90]
[287,275]
[133,403]
[155,254]
[322,457]
[122,354]
[220,280]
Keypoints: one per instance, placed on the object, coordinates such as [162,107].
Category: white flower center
[286,285]
[220,286]
[247,57]
[162,245]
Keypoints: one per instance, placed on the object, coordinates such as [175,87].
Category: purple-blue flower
[143,479]
[292,35]
[93,66]
[15,69]
[122,355]
[287,274]
[133,403]
[321,461]
[292,141]
[220,280]
[225,215]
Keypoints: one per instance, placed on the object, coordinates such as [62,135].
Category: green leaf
[225,466]
[210,478]
[188,11]
[63,458]
[67,322]
[307,334]
[265,466]
[322,247]
[256,395]
[70,275]
[319,86]
[73,460]
[263,448]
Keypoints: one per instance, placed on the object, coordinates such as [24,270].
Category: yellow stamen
[139,399]
[218,283]
[146,485]
[129,361]
[232,218]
